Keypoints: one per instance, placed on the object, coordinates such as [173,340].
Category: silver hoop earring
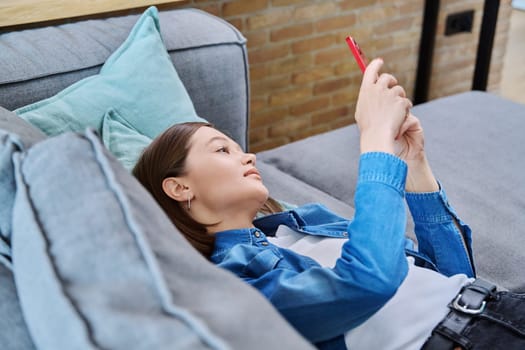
[189,203]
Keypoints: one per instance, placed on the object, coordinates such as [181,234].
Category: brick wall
[304,80]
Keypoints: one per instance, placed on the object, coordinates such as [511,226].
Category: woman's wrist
[420,177]
[377,142]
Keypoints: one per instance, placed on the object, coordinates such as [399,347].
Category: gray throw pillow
[13,330]
[99,265]
[16,135]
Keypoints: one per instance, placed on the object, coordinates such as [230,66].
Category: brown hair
[166,157]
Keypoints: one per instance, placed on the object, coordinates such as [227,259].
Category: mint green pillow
[138,80]
[122,139]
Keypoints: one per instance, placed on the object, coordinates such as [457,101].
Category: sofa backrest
[210,58]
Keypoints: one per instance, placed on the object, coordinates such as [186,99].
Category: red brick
[237,23]
[268,19]
[412,8]
[347,97]
[239,7]
[294,31]
[356,4]
[214,9]
[272,143]
[285,2]
[310,106]
[268,54]
[377,14]
[395,55]
[312,44]
[290,65]
[315,11]
[395,25]
[290,96]
[267,117]
[329,116]
[256,39]
[342,122]
[258,134]
[339,22]
[348,68]
[289,127]
[313,74]
[258,72]
[337,54]
[331,86]
[258,103]
[263,87]
[314,130]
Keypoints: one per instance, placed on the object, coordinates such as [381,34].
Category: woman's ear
[175,189]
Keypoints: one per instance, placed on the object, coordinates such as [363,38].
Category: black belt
[471,301]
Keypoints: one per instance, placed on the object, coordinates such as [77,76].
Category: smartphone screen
[358,54]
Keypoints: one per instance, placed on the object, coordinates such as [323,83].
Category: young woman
[374,291]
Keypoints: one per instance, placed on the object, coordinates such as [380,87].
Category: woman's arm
[441,235]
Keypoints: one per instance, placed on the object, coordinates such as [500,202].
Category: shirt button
[257,234]
[264,243]
[345,234]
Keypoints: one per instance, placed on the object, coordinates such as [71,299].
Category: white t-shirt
[407,319]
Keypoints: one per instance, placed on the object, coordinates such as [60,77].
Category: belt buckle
[465,308]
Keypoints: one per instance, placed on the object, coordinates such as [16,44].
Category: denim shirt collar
[224,240]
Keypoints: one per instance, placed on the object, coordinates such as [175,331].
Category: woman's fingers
[409,122]
[399,91]
[387,80]
[372,71]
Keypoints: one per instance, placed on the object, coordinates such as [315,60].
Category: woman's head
[203,181]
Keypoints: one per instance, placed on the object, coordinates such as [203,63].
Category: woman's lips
[252,171]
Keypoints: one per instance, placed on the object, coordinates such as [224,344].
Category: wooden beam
[19,12]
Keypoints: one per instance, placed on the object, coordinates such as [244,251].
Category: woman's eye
[223,150]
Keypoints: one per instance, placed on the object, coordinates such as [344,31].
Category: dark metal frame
[426,48]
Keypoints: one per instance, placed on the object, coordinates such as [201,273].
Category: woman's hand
[410,142]
[410,146]
[382,108]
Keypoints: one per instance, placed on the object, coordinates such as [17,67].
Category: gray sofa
[69,292]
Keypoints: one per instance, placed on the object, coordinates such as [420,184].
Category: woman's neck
[232,218]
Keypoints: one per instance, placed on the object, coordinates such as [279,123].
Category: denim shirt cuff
[384,168]
[430,207]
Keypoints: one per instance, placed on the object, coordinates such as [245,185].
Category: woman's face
[222,178]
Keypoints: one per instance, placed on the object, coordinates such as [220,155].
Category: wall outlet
[459,22]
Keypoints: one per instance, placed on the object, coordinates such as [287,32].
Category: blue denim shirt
[323,303]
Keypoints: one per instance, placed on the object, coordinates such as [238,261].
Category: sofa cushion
[291,191]
[99,265]
[475,145]
[474,141]
[328,161]
[210,59]
[138,80]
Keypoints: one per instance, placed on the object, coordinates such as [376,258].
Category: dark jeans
[500,326]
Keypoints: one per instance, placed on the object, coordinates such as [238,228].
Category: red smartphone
[358,54]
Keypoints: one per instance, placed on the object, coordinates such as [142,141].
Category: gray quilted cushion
[98,264]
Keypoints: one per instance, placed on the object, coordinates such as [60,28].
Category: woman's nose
[249,158]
